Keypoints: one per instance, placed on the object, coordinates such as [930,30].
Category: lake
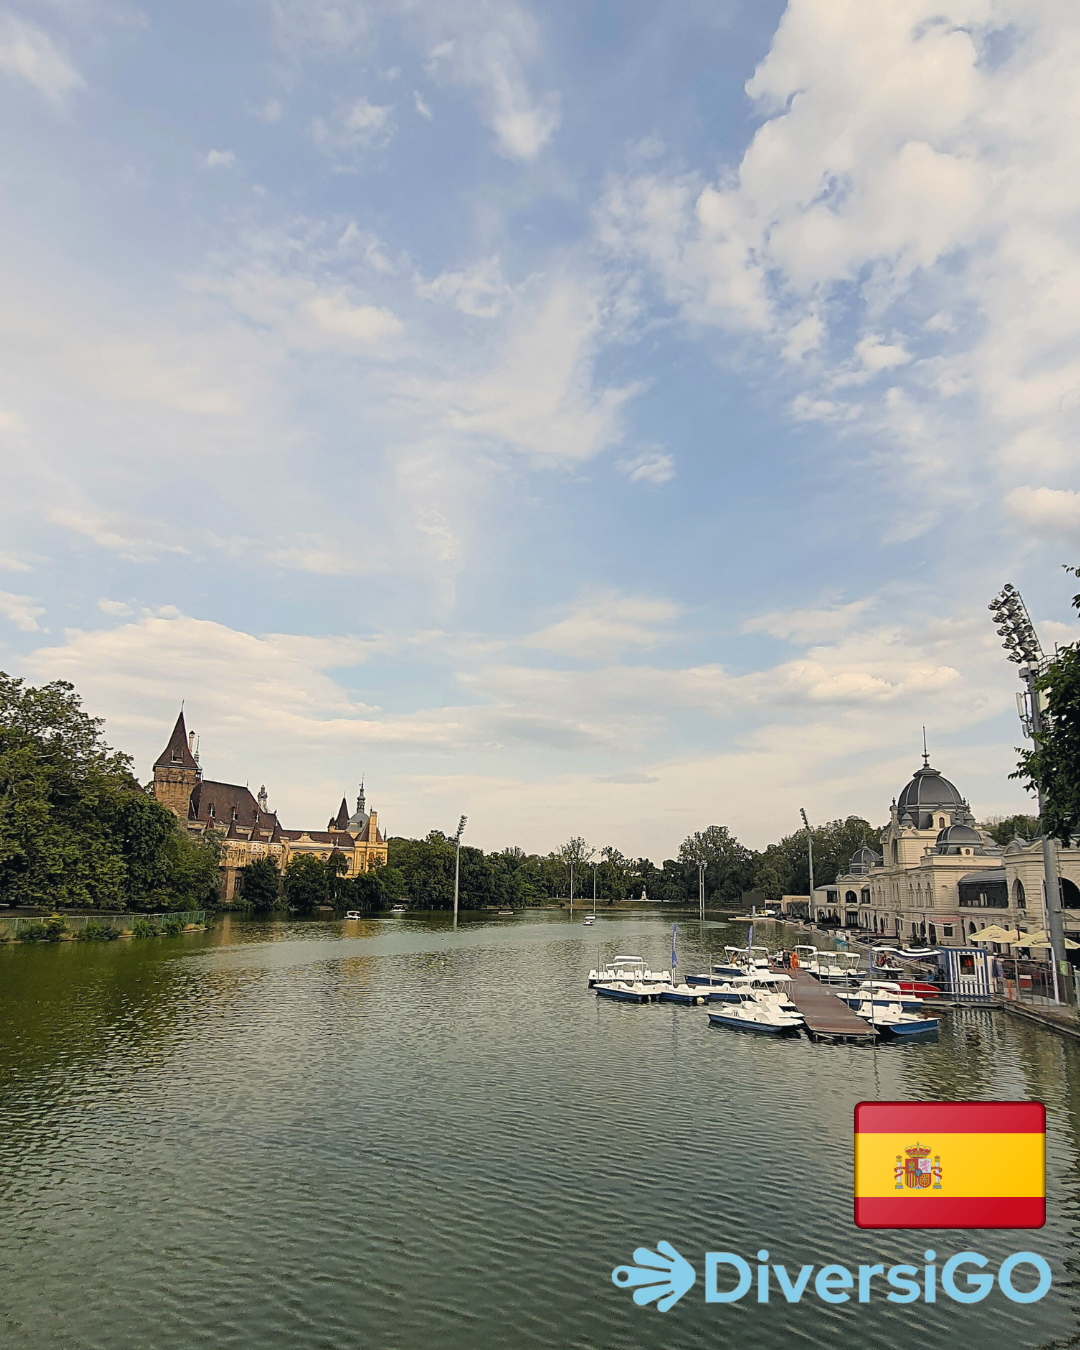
[390,1134]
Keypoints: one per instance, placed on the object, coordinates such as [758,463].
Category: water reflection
[314,1134]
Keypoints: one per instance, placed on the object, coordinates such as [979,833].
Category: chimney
[191,742]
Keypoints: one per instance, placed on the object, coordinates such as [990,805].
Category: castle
[248,828]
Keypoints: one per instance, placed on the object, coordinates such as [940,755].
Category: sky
[606,421]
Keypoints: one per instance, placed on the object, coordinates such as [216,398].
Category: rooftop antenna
[925,753]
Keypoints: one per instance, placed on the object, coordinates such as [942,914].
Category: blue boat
[684,993]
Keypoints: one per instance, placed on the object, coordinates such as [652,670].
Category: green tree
[304,882]
[783,868]
[260,885]
[1003,829]
[76,830]
[1053,767]
[729,865]
[336,866]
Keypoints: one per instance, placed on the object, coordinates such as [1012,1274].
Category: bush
[173,926]
[97,932]
[33,932]
[142,928]
[55,928]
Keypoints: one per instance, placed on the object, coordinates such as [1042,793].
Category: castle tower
[176,772]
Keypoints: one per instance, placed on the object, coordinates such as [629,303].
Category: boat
[589,920]
[399,909]
[889,1018]
[832,967]
[624,967]
[691,994]
[627,982]
[721,970]
[881,991]
[753,1014]
[352,915]
[765,986]
[505,913]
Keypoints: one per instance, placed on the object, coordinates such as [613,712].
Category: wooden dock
[827,1018]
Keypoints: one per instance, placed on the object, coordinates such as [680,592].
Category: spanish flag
[950,1164]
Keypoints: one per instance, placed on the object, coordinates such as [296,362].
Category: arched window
[941,822]
[850,898]
[1070,894]
[1019,894]
[895,851]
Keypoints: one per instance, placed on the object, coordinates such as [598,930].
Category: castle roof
[177,754]
[341,820]
[222,803]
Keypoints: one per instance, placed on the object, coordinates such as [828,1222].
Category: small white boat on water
[626,980]
[399,909]
[692,994]
[628,967]
[762,1017]
[589,920]
[352,915]
[829,967]
[881,991]
[765,986]
[889,1018]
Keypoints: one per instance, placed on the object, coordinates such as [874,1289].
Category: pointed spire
[341,821]
[360,799]
[925,752]
[177,753]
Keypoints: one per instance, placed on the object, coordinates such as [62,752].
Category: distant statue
[262,799]
[643,895]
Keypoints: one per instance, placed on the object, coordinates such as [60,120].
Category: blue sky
[596,427]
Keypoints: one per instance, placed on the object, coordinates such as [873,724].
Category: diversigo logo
[915,1165]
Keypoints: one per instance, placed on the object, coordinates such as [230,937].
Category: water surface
[390,1134]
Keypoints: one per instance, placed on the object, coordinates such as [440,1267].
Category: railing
[11,925]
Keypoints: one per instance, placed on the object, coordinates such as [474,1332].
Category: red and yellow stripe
[992,1164]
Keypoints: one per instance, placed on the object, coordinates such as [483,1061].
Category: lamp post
[701,890]
[810,860]
[594,867]
[1022,644]
[457,862]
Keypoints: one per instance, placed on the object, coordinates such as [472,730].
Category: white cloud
[479,291]
[653,466]
[810,625]
[421,107]
[911,179]
[1047,511]
[489,52]
[136,541]
[538,396]
[358,127]
[115,608]
[10,563]
[367,324]
[27,51]
[220,159]
[21,611]
[607,624]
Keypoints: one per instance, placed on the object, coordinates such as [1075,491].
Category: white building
[938,878]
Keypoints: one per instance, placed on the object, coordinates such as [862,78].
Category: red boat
[919,987]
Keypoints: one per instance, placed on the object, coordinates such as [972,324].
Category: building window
[1019,894]
[1070,894]
[850,898]
[946,930]
[941,822]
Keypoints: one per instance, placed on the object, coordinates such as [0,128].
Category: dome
[862,860]
[960,839]
[1017,844]
[928,792]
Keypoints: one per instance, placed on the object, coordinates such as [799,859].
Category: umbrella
[996,934]
[1042,939]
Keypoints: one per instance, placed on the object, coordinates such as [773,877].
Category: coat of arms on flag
[901,1181]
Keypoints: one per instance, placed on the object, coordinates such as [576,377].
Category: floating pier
[827,1018]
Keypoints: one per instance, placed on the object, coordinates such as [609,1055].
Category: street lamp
[810,860]
[1022,644]
[595,865]
[457,862]
[701,866]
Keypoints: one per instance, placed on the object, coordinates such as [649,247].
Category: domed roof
[959,834]
[862,860]
[928,791]
[961,839]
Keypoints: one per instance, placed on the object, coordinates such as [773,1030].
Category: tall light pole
[594,867]
[1022,644]
[457,862]
[701,889]
[810,860]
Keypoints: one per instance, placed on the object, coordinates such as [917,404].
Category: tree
[76,829]
[729,865]
[1003,829]
[575,853]
[304,882]
[1053,767]
[336,866]
[260,885]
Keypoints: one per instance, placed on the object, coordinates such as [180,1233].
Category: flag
[750,938]
[674,958]
[950,1165]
